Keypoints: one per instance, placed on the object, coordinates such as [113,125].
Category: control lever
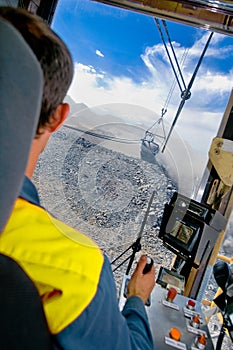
[148,266]
[146,269]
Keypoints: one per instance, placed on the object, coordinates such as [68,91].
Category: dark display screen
[182,232]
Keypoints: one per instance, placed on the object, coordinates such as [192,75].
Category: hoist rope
[105,137]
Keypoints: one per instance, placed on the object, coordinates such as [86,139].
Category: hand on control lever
[142,280]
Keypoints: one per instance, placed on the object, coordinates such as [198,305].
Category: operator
[73,276]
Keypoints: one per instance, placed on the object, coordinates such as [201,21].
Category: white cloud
[200,118]
[99,53]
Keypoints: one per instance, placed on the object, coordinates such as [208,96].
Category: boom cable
[149,136]
[175,58]
[187,93]
[168,54]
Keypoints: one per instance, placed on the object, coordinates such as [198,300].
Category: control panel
[177,321]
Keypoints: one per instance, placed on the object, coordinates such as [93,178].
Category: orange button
[175,334]
[201,339]
[171,294]
[196,318]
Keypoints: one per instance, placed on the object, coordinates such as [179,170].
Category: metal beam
[214,15]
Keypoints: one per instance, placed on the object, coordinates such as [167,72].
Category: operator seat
[23,324]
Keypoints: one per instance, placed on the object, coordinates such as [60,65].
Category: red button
[191,303]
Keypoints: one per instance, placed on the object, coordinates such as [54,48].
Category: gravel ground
[105,194]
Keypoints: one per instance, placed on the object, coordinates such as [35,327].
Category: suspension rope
[169,96]
[169,57]
[187,93]
[177,63]
[176,78]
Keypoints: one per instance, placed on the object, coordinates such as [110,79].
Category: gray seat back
[23,325]
[21,83]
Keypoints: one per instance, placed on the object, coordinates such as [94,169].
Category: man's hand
[141,285]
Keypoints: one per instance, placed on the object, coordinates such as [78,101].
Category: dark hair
[52,53]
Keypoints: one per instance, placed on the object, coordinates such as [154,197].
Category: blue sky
[119,59]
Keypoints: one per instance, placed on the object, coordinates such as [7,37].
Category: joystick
[148,266]
[146,269]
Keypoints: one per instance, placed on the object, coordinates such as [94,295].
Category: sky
[121,65]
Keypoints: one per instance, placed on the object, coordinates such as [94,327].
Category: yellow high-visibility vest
[64,264]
